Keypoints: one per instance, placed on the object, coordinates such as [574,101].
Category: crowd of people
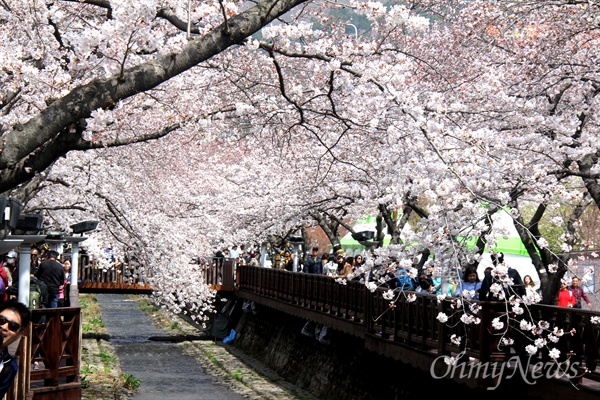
[48,288]
[335,264]
[50,274]
[465,283]
[571,296]
[49,279]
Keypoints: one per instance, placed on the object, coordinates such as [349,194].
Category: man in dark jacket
[313,264]
[517,288]
[52,273]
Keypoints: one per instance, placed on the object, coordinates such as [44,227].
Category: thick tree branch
[104,93]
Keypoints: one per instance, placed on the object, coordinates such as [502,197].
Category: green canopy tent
[505,244]
[510,244]
[352,246]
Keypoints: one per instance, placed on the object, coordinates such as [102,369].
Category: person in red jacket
[565,296]
[10,261]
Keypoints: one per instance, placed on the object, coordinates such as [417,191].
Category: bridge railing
[53,342]
[411,321]
[220,274]
[119,278]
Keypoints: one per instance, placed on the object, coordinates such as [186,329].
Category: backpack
[403,280]
[35,296]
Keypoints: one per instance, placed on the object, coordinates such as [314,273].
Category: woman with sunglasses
[358,261]
[14,319]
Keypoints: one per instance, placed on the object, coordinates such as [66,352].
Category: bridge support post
[75,240]
[25,242]
[74,264]
[24,273]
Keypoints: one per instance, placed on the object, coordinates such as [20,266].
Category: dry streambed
[103,379]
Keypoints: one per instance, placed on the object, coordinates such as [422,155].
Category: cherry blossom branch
[164,13]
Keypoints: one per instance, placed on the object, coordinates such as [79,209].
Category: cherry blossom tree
[180,130]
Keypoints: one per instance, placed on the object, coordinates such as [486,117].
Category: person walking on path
[52,273]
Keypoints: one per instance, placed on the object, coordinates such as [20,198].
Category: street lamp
[11,209]
[80,228]
[29,223]
[83,227]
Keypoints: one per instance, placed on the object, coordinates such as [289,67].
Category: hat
[12,254]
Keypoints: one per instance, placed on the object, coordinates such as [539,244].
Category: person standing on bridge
[11,262]
[63,290]
[327,264]
[35,260]
[313,264]
[470,285]
[511,281]
[565,296]
[52,273]
[14,319]
[578,293]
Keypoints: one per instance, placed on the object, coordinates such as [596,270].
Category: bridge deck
[112,287]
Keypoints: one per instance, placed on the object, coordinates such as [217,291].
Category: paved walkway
[164,370]
[198,369]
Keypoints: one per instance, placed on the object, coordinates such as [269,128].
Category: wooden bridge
[409,331]
[53,339]
[120,278]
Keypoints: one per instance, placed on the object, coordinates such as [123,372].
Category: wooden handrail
[220,274]
[412,323]
[120,278]
[53,340]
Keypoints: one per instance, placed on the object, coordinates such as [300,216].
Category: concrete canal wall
[342,369]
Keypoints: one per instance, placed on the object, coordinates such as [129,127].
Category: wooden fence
[220,274]
[53,342]
[119,278]
[408,329]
